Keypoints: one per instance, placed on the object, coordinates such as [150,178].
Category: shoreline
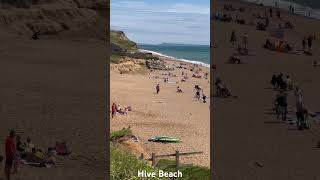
[171,58]
[300,10]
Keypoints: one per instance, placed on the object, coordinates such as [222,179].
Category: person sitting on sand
[35,35]
[268,44]
[29,145]
[204,98]
[221,89]
[20,147]
[179,90]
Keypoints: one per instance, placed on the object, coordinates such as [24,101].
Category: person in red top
[113,112]
[10,152]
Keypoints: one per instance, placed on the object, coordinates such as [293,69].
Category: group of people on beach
[19,152]
[199,91]
[118,109]
[281,102]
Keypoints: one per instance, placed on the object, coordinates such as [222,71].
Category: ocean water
[309,8]
[198,54]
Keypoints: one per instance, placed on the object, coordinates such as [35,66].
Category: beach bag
[62,149]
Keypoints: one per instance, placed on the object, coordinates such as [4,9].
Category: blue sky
[162,21]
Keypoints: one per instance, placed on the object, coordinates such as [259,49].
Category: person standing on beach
[113,109]
[267,21]
[310,42]
[158,88]
[292,10]
[245,40]
[304,42]
[233,38]
[10,149]
[270,12]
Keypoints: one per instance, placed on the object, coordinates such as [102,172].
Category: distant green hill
[121,40]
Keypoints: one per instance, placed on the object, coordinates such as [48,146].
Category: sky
[162,21]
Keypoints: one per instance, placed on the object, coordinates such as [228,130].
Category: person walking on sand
[10,149]
[113,109]
[233,37]
[158,88]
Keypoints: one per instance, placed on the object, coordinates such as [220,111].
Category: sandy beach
[49,92]
[249,142]
[165,114]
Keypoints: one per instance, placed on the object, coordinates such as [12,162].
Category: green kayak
[165,139]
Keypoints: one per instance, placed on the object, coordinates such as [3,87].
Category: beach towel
[62,149]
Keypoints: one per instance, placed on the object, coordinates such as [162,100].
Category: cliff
[52,17]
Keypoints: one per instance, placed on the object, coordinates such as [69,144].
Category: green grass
[120,133]
[188,173]
[124,165]
[117,38]
[115,59]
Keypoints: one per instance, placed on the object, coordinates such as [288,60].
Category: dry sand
[180,115]
[244,130]
[52,90]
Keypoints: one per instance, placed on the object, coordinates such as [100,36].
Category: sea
[309,8]
[196,54]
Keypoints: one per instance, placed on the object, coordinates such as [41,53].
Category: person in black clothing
[233,38]
[270,12]
[158,88]
[267,21]
[281,105]
[279,80]
[35,35]
[268,44]
[304,42]
[310,42]
[302,119]
[204,98]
